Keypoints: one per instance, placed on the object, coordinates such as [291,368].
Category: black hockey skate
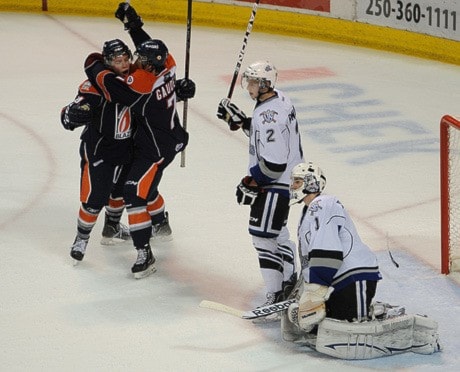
[78,249]
[162,231]
[114,232]
[144,264]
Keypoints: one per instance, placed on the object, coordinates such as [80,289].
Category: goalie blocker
[372,339]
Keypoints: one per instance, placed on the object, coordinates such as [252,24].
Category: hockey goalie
[333,311]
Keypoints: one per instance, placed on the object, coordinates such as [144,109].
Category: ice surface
[370,119]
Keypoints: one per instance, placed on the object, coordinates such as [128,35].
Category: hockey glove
[245,194]
[127,14]
[75,115]
[185,89]
[311,308]
[231,114]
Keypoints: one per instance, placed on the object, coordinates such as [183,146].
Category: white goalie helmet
[262,71]
[314,181]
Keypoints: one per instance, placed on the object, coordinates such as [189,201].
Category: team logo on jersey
[123,129]
[314,207]
[129,80]
[268,116]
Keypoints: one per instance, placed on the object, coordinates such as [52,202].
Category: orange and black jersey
[109,137]
[152,100]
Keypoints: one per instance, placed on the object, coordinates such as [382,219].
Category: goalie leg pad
[365,340]
[425,337]
[377,338]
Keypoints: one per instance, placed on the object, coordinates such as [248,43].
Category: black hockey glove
[185,89]
[245,194]
[75,115]
[231,114]
[127,14]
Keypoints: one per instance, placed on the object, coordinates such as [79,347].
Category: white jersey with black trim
[275,139]
[333,253]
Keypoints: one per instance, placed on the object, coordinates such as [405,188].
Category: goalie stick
[249,314]
[259,312]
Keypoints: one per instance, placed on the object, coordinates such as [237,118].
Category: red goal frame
[447,121]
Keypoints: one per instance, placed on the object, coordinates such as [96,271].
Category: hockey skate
[162,231]
[144,264]
[114,233]
[272,298]
[78,249]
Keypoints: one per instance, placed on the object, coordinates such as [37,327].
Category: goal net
[450,194]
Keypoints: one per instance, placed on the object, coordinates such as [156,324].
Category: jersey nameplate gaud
[164,90]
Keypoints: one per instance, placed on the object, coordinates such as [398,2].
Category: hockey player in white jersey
[339,267]
[274,148]
[334,312]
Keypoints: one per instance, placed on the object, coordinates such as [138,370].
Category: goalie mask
[152,54]
[313,181]
[262,71]
[114,48]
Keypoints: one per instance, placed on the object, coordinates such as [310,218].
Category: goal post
[450,193]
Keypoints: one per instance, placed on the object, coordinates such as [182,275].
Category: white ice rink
[369,119]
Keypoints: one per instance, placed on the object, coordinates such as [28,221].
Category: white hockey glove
[231,114]
[311,308]
[245,194]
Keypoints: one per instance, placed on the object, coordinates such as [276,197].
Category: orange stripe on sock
[86,217]
[138,218]
[116,203]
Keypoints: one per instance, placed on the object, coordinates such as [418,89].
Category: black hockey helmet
[114,48]
[152,53]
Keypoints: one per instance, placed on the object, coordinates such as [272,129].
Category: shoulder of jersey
[141,81]
[88,88]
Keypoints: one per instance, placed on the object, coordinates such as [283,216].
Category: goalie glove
[76,115]
[246,194]
[127,14]
[231,114]
[185,89]
[311,308]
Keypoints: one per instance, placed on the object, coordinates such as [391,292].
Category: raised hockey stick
[250,314]
[243,49]
[187,70]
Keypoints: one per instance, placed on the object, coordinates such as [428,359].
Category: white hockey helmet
[262,71]
[314,180]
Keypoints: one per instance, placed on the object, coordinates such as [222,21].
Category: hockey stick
[250,314]
[187,70]
[258,312]
[243,49]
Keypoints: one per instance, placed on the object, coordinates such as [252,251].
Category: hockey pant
[101,184]
[353,302]
[270,237]
[142,198]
